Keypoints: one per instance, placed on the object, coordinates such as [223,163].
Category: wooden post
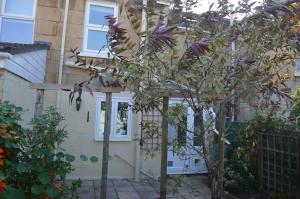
[38,110]
[105,154]
[164,150]
[221,150]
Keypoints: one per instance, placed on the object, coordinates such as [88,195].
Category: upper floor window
[120,121]
[17,21]
[96,26]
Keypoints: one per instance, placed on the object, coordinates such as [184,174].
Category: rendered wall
[81,140]
[17,91]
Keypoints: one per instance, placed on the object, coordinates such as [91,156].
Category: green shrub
[295,110]
[37,166]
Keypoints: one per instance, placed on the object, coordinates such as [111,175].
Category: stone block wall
[49,27]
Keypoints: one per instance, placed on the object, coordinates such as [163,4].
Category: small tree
[203,68]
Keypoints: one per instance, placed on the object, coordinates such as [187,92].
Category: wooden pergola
[107,127]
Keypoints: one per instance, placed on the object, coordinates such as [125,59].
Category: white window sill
[297,73]
[114,139]
[94,55]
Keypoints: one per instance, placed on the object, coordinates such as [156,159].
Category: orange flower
[1,150]
[2,186]
[1,132]
[1,162]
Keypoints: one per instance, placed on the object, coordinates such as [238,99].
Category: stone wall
[49,27]
[49,19]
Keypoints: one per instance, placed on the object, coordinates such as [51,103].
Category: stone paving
[195,188]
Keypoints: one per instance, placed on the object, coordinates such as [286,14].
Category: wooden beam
[48,86]
[38,110]
[164,150]
[105,153]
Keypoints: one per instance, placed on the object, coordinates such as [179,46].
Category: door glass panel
[102,118]
[197,124]
[19,7]
[11,29]
[177,129]
[170,163]
[122,118]
[98,13]
[182,131]
[298,65]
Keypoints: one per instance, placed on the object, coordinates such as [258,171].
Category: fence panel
[280,163]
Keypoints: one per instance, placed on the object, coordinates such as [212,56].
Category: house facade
[49,29]
[66,24]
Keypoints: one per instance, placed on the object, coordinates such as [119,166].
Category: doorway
[183,147]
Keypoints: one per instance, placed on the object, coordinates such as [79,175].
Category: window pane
[177,130]
[96,40]
[102,118]
[197,130]
[298,65]
[98,13]
[19,7]
[11,29]
[122,118]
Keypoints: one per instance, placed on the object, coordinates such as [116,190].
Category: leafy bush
[241,170]
[11,134]
[34,164]
[295,110]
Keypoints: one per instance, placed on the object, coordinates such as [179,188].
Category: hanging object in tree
[78,103]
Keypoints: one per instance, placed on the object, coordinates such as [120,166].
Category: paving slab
[149,195]
[145,189]
[128,195]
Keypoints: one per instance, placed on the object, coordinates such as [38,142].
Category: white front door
[183,157]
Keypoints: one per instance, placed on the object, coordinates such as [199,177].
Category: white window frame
[113,135]
[18,17]
[87,27]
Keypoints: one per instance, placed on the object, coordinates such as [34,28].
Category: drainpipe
[62,53]
[139,114]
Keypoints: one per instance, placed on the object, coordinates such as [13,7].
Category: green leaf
[83,158]
[2,176]
[94,159]
[22,168]
[52,192]
[13,193]
[19,109]
[37,189]
[60,155]
[110,157]
[70,158]
[44,178]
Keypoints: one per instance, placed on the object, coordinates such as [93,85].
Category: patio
[145,189]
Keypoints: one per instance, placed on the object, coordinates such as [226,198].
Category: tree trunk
[164,150]
[217,188]
[203,140]
[105,154]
